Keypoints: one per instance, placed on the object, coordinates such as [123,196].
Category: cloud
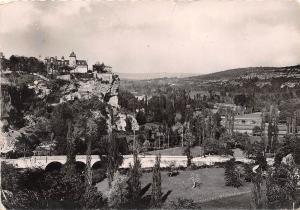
[170,36]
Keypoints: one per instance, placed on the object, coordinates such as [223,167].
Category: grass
[233,202]
[212,186]
[176,151]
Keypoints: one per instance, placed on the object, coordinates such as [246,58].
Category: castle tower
[1,61]
[72,60]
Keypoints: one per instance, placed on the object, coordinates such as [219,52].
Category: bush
[215,148]
[232,175]
[93,199]
[37,189]
[118,193]
[281,186]
[248,172]
[9,177]
[183,203]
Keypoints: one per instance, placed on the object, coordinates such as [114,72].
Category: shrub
[281,186]
[118,193]
[232,175]
[183,203]
[9,177]
[248,172]
[93,199]
[47,191]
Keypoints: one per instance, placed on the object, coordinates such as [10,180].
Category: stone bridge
[147,161]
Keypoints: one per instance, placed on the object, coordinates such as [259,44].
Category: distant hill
[254,71]
[146,76]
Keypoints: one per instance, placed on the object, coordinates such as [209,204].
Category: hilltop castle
[73,65]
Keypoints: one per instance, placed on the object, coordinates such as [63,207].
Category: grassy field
[212,187]
[176,151]
[233,202]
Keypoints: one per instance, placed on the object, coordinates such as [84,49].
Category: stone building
[60,66]
[103,72]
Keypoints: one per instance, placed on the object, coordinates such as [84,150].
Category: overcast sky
[157,36]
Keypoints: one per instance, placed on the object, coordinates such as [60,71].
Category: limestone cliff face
[64,91]
[107,92]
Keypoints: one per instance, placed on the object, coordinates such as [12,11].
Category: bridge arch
[80,166]
[99,171]
[54,166]
[99,165]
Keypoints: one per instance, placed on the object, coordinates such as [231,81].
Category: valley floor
[212,188]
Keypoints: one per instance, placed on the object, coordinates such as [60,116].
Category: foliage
[291,145]
[9,177]
[256,131]
[141,118]
[281,186]
[257,197]
[232,175]
[189,138]
[260,159]
[128,101]
[189,156]
[156,195]
[114,158]
[134,183]
[146,145]
[37,189]
[184,203]
[163,108]
[22,101]
[118,193]
[217,148]
[240,139]
[26,64]
[93,199]
[25,145]
[88,120]
[243,100]
[253,149]
[248,172]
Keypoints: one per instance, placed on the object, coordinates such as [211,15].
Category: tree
[37,189]
[69,167]
[257,191]
[232,176]
[146,145]
[134,183]
[188,154]
[273,128]
[189,138]
[118,193]
[114,160]
[281,186]
[242,100]
[256,131]
[127,100]
[92,198]
[26,64]
[291,145]
[141,118]
[9,177]
[156,195]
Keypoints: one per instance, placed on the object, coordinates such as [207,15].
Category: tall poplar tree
[156,196]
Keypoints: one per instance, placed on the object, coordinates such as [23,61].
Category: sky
[156,36]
